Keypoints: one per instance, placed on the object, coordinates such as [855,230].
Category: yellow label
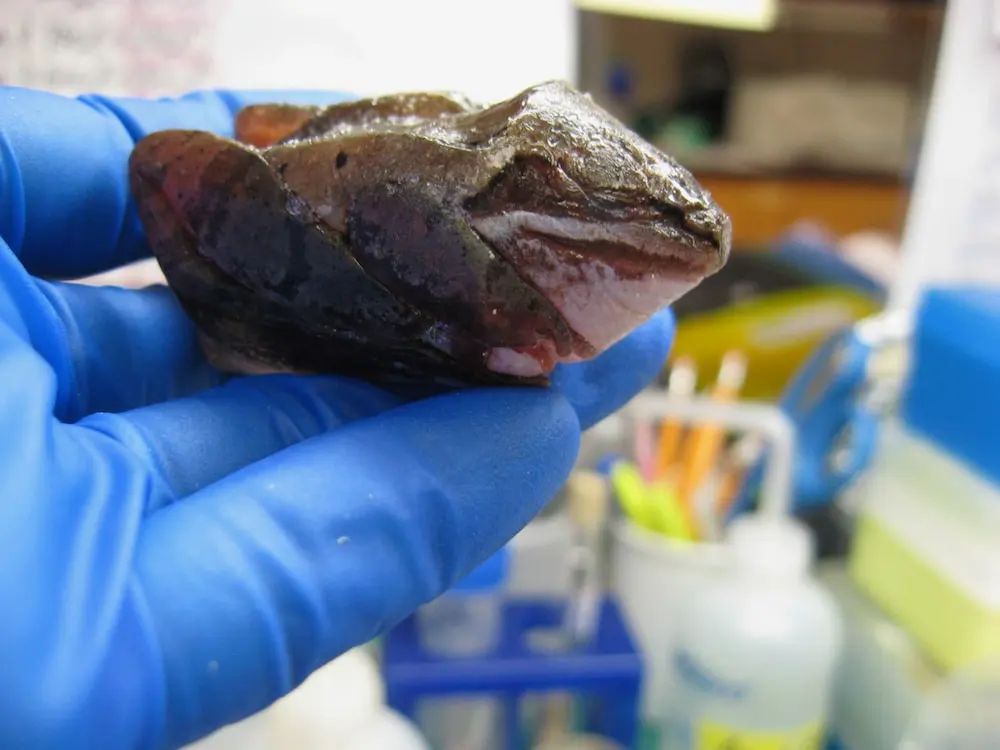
[713,736]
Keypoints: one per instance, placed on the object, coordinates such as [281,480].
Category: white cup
[654,578]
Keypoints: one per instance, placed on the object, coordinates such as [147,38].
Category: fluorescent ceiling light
[755,15]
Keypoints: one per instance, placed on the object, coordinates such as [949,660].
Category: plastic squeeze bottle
[754,659]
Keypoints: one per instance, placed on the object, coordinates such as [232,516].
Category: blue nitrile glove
[835,431]
[177,551]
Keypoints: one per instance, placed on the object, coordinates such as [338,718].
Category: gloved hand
[176,550]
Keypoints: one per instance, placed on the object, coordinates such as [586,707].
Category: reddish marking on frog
[263,125]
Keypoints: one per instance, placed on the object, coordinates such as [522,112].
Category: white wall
[488,50]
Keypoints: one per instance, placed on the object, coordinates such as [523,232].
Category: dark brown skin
[421,237]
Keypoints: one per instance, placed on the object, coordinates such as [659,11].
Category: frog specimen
[421,236]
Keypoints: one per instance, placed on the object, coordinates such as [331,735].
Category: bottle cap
[771,547]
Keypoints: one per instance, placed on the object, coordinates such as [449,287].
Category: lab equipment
[704,444]
[883,675]
[837,399]
[461,723]
[555,729]
[763,419]
[743,456]
[605,674]
[889,696]
[950,398]
[587,507]
[654,575]
[835,402]
[540,565]
[929,509]
[960,713]
[925,548]
[579,742]
[777,308]
[675,485]
[465,620]
[754,651]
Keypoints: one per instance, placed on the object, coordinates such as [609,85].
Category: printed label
[713,736]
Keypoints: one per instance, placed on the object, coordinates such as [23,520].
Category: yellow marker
[654,507]
[667,512]
[630,489]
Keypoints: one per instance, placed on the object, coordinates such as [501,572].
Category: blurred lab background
[793,539]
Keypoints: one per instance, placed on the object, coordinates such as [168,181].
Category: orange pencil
[683,377]
[702,447]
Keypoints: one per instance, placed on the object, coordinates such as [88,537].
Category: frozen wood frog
[423,237]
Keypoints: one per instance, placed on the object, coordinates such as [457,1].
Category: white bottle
[754,658]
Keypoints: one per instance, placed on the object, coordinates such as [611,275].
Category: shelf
[846,16]
[750,15]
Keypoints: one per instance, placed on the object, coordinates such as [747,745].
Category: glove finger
[121,349]
[600,386]
[254,582]
[191,442]
[65,207]
[73,500]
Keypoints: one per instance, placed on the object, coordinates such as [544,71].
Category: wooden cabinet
[763,207]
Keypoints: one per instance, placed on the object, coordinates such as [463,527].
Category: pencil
[683,378]
[741,457]
[645,449]
[701,449]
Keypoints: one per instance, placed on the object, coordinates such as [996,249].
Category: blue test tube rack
[607,673]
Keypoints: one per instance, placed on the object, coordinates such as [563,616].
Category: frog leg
[218,220]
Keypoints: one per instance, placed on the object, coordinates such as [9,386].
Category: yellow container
[927,549]
[777,332]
